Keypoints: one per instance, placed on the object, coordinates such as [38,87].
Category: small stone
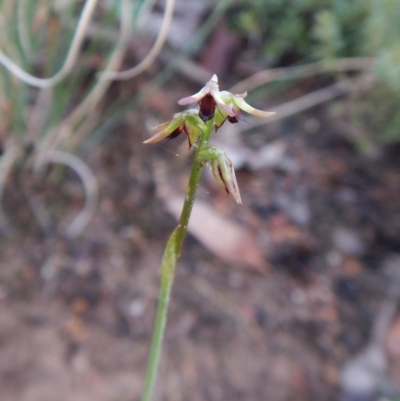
[136,308]
[348,242]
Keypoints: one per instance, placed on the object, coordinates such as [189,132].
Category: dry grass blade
[96,94]
[88,181]
[39,114]
[303,71]
[22,29]
[83,113]
[312,99]
[70,60]
[155,50]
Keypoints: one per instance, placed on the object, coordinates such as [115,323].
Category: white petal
[194,98]
[251,110]
[221,103]
[214,78]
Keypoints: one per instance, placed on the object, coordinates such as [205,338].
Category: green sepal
[194,126]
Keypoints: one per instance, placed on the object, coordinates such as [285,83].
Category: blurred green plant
[307,30]
[287,32]
[318,29]
[78,46]
[382,33]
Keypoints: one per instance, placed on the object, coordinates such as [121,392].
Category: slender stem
[168,265]
[192,188]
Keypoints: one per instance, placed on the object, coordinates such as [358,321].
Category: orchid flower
[208,98]
[230,106]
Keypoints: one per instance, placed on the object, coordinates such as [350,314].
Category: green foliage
[382,32]
[37,36]
[327,32]
[324,29]
[289,32]
[303,29]
[378,115]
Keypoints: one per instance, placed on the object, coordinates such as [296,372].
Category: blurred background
[293,295]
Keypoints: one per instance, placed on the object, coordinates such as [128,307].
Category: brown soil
[76,315]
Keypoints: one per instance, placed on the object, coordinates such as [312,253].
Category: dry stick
[115,61]
[39,114]
[148,60]
[84,129]
[96,94]
[69,62]
[22,29]
[313,99]
[303,71]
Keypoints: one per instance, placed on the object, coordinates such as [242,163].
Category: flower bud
[222,169]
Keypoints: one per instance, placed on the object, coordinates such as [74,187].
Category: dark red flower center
[207,108]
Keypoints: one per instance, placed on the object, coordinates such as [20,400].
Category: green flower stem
[197,167]
[168,265]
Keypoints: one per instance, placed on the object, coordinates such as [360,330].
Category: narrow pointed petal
[161,126]
[214,78]
[174,122]
[194,98]
[158,137]
[167,128]
[234,189]
[251,110]
[221,103]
